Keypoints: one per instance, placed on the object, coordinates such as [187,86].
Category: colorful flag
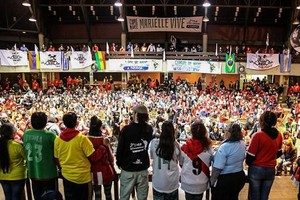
[37,57]
[285,61]
[230,63]
[100,59]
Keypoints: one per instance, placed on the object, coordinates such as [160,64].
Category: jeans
[13,190]
[165,196]
[189,196]
[39,187]
[229,186]
[260,182]
[130,180]
[74,191]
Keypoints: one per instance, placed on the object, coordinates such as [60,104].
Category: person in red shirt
[264,148]
[248,50]
[69,81]
[56,82]
[49,83]
[51,48]
[76,82]
[95,48]
[35,86]
[296,88]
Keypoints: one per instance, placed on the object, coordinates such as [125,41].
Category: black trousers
[74,191]
[229,186]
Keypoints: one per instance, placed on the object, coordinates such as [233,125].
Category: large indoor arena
[150,99]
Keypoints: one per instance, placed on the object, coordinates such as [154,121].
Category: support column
[205,42]
[44,80]
[204,36]
[284,80]
[41,40]
[123,39]
[92,77]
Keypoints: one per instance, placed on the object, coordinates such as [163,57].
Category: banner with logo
[134,65]
[194,66]
[260,61]
[230,63]
[51,59]
[285,62]
[81,59]
[173,24]
[13,58]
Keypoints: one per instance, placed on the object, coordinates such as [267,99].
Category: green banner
[230,63]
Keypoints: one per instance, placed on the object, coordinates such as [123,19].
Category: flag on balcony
[100,59]
[37,57]
[285,61]
[230,63]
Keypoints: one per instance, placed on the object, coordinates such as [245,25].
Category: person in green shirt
[12,163]
[39,150]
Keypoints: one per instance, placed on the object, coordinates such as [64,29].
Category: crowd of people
[84,128]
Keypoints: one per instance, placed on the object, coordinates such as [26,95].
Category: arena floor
[283,189]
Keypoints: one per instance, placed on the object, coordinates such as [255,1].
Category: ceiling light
[59,19]
[97,18]
[280,10]
[216,13]
[120,19]
[94,13]
[111,10]
[217,8]
[92,8]
[234,19]
[279,15]
[216,19]
[78,18]
[276,20]
[118,3]
[24,32]
[236,14]
[237,9]
[259,9]
[136,12]
[134,8]
[206,3]
[70,8]
[296,22]
[54,12]
[194,8]
[254,20]
[26,3]
[257,14]
[298,7]
[32,19]
[205,19]
[74,12]
[49,8]
[14,19]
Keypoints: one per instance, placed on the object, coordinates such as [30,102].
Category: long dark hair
[166,146]
[267,123]
[199,132]
[7,131]
[95,126]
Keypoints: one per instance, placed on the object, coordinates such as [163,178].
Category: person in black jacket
[132,155]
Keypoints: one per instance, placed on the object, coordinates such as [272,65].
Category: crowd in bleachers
[179,102]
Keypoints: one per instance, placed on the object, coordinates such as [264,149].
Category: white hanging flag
[131,53]
[13,58]
[164,55]
[107,48]
[230,50]
[81,59]
[216,53]
[51,59]
[267,40]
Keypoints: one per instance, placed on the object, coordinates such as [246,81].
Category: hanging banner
[285,62]
[100,60]
[134,65]
[154,24]
[51,59]
[260,61]
[194,66]
[230,63]
[13,58]
[81,59]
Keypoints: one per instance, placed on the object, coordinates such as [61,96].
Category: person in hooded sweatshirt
[72,151]
[264,148]
[196,157]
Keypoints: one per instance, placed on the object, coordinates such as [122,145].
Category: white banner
[260,61]
[194,66]
[81,59]
[175,24]
[51,59]
[134,65]
[13,58]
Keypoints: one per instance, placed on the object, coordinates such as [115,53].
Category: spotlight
[26,3]
[32,19]
[206,3]
[118,3]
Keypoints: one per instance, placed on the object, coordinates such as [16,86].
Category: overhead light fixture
[78,18]
[59,19]
[14,19]
[134,8]
[70,8]
[32,19]
[216,19]
[257,14]
[280,10]
[205,19]
[49,8]
[136,12]
[206,3]
[94,13]
[217,8]
[298,7]
[153,10]
[97,18]
[111,10]
[237,9]
[279,15]
[118,3]
[259,9]
[254,20]
[74,12]
[276,20]
[296,21]
[236,14]
[24,32]
[54,12]
[92,8]
[234,19]
[26,3]
[120,19]
[216,13]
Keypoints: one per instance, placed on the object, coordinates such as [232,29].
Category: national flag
[100,60]
[37,57]
[65,60]
[285,61]
[230,63]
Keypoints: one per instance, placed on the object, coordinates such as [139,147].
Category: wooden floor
[282,189]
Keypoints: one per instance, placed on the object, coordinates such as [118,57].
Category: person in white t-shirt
[196,158]
[165,153]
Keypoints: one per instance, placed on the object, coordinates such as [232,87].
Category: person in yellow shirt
[13,172]
[72,151]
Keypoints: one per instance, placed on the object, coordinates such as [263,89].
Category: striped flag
[100,60]
[37,57]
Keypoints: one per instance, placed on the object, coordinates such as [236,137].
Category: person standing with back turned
[263,150]
[132,155]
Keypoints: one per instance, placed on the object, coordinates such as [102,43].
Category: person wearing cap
[132,155]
